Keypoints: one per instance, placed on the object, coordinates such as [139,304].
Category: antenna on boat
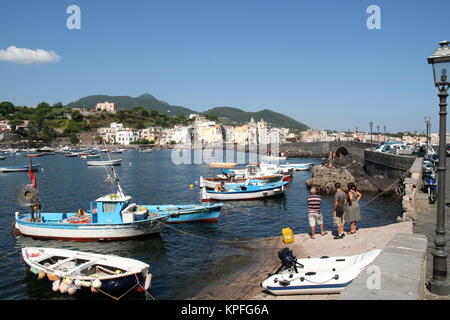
[114,178]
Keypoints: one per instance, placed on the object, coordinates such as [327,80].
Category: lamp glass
[438,67]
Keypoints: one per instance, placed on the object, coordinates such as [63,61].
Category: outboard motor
[288,260]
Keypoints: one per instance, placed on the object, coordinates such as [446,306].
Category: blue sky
[314,61]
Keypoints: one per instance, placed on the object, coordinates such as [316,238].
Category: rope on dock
[386,189]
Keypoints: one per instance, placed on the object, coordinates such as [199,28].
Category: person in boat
[353,210]
[314,203]
[340,200]
[220,187]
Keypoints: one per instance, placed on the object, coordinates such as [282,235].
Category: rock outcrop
[323,179]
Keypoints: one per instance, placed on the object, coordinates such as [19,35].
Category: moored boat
[223,164]
[71,271]
[211,183]
[188,213]
[115,162]
[245,191]
[316,275]
[298,166]
[19,168]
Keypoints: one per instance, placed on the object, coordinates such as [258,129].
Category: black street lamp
[428,125]
[440,60]
[371,125]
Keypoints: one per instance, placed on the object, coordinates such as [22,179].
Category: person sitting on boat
[220,187]
[314,202]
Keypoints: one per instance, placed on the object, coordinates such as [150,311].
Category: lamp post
[371,125]
[384,136]
[440,60]
[428,125]
[378,133]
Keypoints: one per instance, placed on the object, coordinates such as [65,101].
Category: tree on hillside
[6,107]
[77,116]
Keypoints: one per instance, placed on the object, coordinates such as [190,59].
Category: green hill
[149,102]
[239,116]
[146,101]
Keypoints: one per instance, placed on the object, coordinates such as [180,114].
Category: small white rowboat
[116,162]
[71,270]
[317,275]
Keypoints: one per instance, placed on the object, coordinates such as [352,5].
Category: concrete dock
[245,284]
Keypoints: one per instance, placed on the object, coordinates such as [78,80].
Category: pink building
[106,106]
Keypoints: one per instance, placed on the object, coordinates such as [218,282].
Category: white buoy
[55,285]
[72,289]
[63,287]
[148,281]
[96,284]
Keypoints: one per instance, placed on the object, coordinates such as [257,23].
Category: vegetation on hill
[274,119]
[145,101]
[46,122]
[226,115]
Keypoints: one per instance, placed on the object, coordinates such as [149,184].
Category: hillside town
[206,132]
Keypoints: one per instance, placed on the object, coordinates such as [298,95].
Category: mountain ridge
[149,102]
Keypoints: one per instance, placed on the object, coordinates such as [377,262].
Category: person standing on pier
[314,202]
[353,210]
[340,200]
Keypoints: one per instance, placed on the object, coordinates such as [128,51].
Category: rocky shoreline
[347,170]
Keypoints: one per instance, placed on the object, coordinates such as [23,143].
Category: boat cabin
[108,209]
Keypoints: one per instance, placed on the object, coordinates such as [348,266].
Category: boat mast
[114,178]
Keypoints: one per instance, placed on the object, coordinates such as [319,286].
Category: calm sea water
[182,256]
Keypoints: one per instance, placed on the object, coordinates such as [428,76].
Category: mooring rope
[385,190]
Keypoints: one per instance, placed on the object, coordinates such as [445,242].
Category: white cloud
[28,56]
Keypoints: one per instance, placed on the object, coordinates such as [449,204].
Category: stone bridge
[322,148]
[375,163]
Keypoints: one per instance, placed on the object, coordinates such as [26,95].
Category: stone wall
[387,165]
[398,273]
[322,148]
[414,201]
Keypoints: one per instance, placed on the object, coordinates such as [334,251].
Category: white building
[126,136]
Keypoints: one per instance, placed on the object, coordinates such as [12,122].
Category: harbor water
[182,256]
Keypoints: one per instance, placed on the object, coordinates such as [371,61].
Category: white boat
[211,183]
[316,275]
[71,271]
[272,158]
[257,171]
[19,168]
[298,166]
[116,162]
[245,191]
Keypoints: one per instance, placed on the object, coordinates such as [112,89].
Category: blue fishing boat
[111,217]
[188,213]
[241,191]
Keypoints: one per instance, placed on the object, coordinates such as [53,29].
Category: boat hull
[105,163]
[19,169]
[88,231]
[211,183]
